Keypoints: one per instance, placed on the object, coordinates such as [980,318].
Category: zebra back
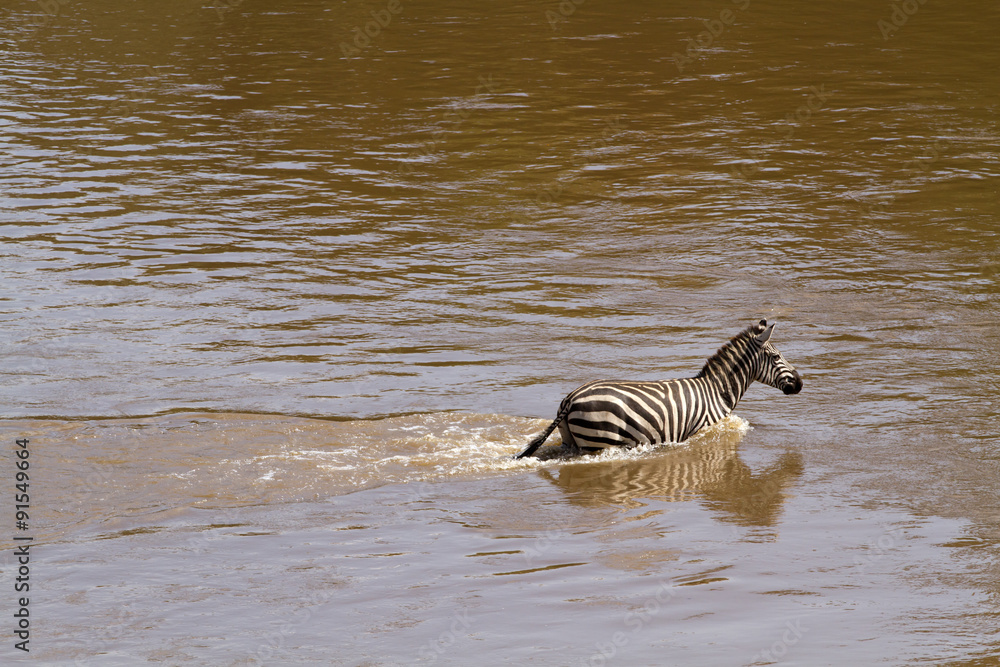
[614,413]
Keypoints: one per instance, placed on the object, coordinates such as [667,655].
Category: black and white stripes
[610,413]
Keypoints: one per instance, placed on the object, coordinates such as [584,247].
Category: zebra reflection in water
[709,469]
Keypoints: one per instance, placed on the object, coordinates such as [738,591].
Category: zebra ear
[764,337]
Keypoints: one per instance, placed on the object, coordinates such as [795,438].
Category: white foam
[432,447]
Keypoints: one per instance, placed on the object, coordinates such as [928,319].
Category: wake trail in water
[137,467]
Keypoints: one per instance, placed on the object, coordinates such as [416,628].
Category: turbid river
[283,286]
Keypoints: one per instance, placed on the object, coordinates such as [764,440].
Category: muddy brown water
[283,288]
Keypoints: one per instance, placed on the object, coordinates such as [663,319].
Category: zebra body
[609,413]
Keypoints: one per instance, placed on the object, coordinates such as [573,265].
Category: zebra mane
[722,360]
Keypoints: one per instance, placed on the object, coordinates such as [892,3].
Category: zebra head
[772,368]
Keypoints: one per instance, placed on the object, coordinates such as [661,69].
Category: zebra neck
[725,391]
[729,374]
[732,392]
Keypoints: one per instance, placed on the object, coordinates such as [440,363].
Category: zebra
[609,413]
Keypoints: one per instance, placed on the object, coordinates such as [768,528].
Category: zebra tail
[537,442]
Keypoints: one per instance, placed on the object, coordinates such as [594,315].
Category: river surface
[284,286]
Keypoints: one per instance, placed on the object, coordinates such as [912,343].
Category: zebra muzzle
[793,387]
